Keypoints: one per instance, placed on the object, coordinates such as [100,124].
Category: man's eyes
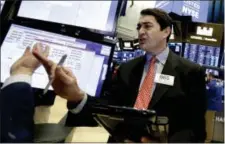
[138,27]
[144,26]
[147,26]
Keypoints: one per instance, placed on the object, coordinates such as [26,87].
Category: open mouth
[141,41]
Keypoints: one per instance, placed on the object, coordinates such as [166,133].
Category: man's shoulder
[129,65]
[186,64]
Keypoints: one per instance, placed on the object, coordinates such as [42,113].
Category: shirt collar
[161,57]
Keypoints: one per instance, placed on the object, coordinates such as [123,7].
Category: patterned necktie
[144,95]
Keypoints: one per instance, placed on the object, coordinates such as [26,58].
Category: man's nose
[141,31]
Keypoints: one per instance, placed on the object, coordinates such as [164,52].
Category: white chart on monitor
[84,64]
[89,14]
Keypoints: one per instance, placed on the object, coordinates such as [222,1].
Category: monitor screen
[139,52]
[176,47]
[2,4]
[124,56]
[222,62]
[201,54]
[87,60]
[98,15]
[212,71]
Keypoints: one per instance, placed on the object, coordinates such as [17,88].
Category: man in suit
[213,92]
[17,100]
[160,80]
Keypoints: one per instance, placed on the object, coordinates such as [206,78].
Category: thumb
[27,51]
[62,75]
[68,71]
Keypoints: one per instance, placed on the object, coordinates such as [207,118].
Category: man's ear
[166,32]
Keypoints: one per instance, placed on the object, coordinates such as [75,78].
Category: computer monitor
[88,60]
[222,63]
[176,47]
[212,71]
[2,4]
[201,54]
[97,15]
[139,52]
[127,55]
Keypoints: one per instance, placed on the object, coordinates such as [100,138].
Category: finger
[27,51]
[68,71]
[51,73]
[62,75]
[39,47]
[36,47]
[41,57]
[48,64]
[46,51]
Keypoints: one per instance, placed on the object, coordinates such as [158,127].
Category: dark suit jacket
[17,111]
[184,103]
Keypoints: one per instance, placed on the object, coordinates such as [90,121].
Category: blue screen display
[86,59]
[176,47]
[214,72]
[222,62]
[197,9]
[124,56]
[201,54]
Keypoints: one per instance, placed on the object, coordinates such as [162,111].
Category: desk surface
[53,114]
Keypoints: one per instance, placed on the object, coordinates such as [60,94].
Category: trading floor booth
[79,28]
[204,46]
[89,54]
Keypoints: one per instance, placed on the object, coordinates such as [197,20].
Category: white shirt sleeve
[80,106]
[17,78]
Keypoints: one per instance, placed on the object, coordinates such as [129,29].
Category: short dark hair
[161,17]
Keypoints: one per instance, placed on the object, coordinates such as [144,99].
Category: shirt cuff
[80,106]
[17,78]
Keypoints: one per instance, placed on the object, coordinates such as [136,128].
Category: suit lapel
[169,69]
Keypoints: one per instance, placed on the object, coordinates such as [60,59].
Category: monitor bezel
[104,42]
[67,26]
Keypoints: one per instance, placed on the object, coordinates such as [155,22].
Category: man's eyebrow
[144,23]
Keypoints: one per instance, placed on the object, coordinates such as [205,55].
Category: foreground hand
[64,83]
[147,140]
[27,63]
[143,140]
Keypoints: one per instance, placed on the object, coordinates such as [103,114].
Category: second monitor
[97,15]
[88,60]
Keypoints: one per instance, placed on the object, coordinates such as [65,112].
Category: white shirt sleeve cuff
[80,106]
[17,78]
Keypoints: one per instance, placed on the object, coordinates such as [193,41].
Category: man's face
[150,34]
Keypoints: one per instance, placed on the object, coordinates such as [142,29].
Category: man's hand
[147,140]
[27,64]
[64,83]
[144,139]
